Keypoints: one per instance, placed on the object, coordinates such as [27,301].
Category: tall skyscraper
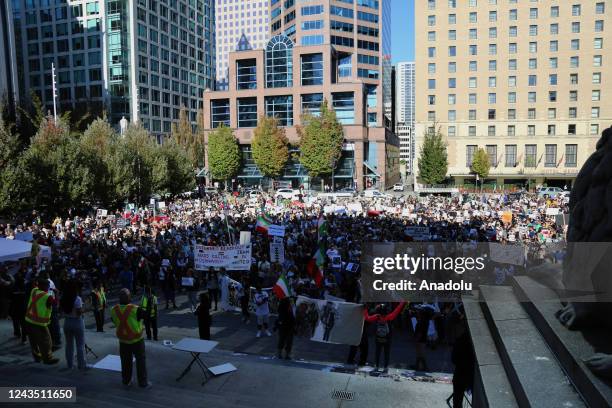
[523,80]
[8,69]
[360,31]
[142,59]
[239,24]
[405,93]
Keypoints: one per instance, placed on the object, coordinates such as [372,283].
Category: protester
[285,323]
[74,326]
[212,283]
[191,285]
[17,307]
[382,321]
[464,360]
[203,314]
[262,311]
[148,303]
[98,304]
[244,296]
[127,318]
[38,317]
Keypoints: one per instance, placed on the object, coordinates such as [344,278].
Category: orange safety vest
[129,328]
[38,312]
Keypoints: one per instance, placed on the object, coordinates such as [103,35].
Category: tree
[97,145]
[223,154]
[186,138]
[10,145]
[270,147]
[172,170]
[480,163]
[321,139]
[433,160]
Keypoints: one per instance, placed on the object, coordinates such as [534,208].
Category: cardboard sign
[231,257]
[276,230]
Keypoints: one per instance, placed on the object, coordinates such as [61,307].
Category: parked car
[551,192]
[286,193]
[398,187]
[374,194]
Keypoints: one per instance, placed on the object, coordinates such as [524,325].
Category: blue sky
[402,27]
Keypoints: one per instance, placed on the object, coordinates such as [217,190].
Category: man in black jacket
[286,327]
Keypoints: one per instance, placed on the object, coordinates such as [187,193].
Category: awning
[14,250]
[372,170]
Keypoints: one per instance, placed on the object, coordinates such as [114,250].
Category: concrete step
[492,388]
[536,377]
[570,347]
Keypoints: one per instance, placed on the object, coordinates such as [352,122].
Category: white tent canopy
[13,250]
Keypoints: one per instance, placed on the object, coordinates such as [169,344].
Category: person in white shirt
[262,311]
[74,327]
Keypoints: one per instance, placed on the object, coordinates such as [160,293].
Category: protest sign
[354,207]
[231,257]
[245,237]
[276,230]
[552,211]
[507,217]
[101,213]
[507,254]
[186,281]
[121,223]
[26,236]
[277,252]
[418,233]
[329,321]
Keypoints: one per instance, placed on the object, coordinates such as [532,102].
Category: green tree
[433,160]
[186,138]
[321,139]
[97,145]
[172,170]
[223,154]
[270,147]
[480,163]
[10,144]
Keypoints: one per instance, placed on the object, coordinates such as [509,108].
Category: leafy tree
[10,144]
[223,154]
[172,170]
[480,163]
[433,160]
[190,141]
[270,147]
[97,145]
[321,139]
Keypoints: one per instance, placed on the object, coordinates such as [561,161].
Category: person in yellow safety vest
[127,319]
[149,305]
[38,317]
[98,302]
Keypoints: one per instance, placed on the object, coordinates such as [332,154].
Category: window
[344,105]
[554,29]
[452,82]
[470,150]
[512,48]
[492,16]
[533,30]
[472,99]
[571,129]
[472,82]
[512,114]
[312,69]
[281,108]
[573,112]
[492,114]
[311,104]
[247,112]
[596,78]
[573,96]
[596,95]
[595,112]
[550,155]
[511,97]
[510,155]
[452,99]
[554,11]
[533,80]
[531,153]
[472,114]
[246,74]
[533,13]
[512,81]
[553,63]
[574,62]
[512,65]
[431,84]
[452,51]
[574,79]
[513,31]
[431,100]
[452,131]
[576,10]
[575,44]
[597,60]
[472,132]
[491,130]
[598,43]
[594,130]
[431,116]
[552,79]
[533,63]
[431,52]
[552,96]
[473,34]
[599,26]
[531,97]
[513,15]
[431,68]
[452,115]
[473,66]
[552,113]
[600,8]
[576,27]
[511,130]
[473,50]
[571,155]
[492,98]
[431,36]
[531,113]
[452,67]
[452,19]
[279,62]
[531,130]
[473,17]
[492,153]
[552,130]
[220,112]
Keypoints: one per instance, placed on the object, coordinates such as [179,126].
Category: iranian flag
[315,266]
[263,222]
[321,227]
[281,288]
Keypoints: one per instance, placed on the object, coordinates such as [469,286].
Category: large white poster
[329,321]
[231,257]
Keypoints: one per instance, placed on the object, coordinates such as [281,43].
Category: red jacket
[386,318]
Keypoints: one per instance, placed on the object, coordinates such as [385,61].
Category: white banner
[552,211]
[231,257]
[329,321]
[276,230]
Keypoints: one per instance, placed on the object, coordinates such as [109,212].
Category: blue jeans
[74,330]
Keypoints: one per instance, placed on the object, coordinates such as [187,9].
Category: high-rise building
[240,24]
[8,69]
[404,133]
[405,93]
[138,59]
[359,31]
[524,80]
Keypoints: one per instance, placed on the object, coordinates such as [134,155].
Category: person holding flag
[316,265]
[263,223]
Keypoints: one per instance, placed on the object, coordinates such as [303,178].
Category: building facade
[240,24]
[405,93]
[404,134]
[138,59]
[524,80]
[285,81]
[360,32]
[8,69]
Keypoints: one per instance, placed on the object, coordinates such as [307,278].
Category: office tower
[524,80]
[240,24]
[404,133]
[360,32]
[405,93]
[8,69]
[285,81]
[142,59]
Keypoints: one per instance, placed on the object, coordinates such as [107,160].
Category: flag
[263,222]
[321,228]
[281,288]
[315,266]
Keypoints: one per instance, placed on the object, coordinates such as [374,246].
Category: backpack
[382,329]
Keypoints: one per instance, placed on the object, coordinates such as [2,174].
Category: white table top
[195,345]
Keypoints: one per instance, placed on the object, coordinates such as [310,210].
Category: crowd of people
[150,253]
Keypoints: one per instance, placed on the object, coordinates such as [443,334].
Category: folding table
[196,347]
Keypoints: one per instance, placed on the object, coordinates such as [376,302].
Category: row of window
[512,96]
[492,130]
[511,114]
[281,108]
[600,7]
[530,157]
